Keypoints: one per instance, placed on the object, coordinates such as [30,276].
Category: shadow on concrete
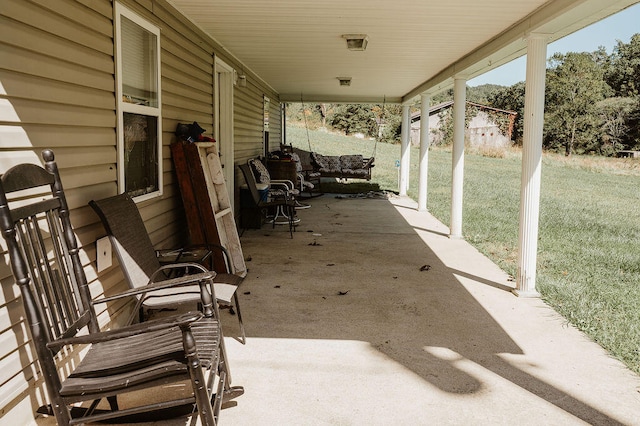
[356,270]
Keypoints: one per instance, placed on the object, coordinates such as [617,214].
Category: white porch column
[425,103]
[405,159]
[459,104]
[531,165]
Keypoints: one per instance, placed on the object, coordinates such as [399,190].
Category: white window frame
[125,107]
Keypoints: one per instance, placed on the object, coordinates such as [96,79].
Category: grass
[588,250]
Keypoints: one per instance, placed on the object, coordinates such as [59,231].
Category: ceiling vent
[356,41]
[344,81]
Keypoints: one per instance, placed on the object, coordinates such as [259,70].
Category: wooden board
[206,199]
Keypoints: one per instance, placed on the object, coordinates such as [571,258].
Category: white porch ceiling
[296,46]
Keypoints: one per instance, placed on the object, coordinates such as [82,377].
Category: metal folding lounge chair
[276,188]
[139,261]
[281,200]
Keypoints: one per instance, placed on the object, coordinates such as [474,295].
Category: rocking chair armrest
[167,283]
[179,320]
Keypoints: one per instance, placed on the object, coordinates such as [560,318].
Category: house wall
[57,90]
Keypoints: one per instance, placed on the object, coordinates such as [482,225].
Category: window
[138,103]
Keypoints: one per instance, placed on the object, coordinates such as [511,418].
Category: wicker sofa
[353,166]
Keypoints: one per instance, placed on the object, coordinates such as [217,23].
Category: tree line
[592,101]
[592,105]
[371,120]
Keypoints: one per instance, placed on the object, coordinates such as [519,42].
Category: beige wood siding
[57,91]
[248,112]
[249,125]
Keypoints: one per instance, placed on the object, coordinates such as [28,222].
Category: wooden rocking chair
[46,265]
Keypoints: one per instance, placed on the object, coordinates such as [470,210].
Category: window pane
[140,154]
[139,62]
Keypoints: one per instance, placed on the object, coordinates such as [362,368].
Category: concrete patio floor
[372,315]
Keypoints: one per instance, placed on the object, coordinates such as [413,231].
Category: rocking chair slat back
[44,254]
[45,262]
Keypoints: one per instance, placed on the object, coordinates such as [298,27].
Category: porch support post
[459,104]
[425,103]
[531,165]
[405,159]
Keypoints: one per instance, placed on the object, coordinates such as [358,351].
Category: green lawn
[588,250]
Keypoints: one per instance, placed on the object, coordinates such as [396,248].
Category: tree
[623,75]
[481,94]
[322,109]
[575,84]
[390,118]
[354,118]
[314,116]
[623,68]
[616,117]
[511,98]
[633,139]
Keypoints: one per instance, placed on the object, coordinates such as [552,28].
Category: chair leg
[113,403]
[230,392]
[137,310]
[206,411]
[241,324]
[94,405]
[295,218]
[292,212]
[280,211]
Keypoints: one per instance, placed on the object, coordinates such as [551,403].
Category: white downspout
[457,182]
[531,165]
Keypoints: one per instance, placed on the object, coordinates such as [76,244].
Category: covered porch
[371,314]
[380,318]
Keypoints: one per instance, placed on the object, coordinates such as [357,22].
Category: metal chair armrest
[284,182]
[166,283]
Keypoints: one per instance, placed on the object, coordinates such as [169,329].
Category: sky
[607,32]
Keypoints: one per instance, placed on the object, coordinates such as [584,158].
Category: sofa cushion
[319,160]
[356,173]
[333,163]
[351,162]
[296,159]
[260,171]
